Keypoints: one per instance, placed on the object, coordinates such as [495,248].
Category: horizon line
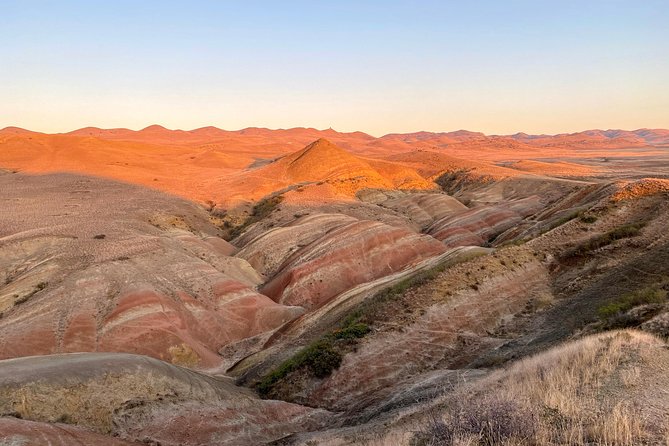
[213,127]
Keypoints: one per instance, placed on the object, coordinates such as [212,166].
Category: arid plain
[313,287]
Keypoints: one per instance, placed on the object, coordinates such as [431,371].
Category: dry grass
[183,355]
[570,394]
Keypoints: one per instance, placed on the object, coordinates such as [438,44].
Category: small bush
[587,218]
[650,295]
[265,207]
[456,180]
[99,237]
[322,358]
[625,231]
[268,381]
[512,242]
[581,215]
[354,331]
[606,311]
[496,420]
[23,299]
[437,432]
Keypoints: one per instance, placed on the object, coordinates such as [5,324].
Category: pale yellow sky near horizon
[377,66]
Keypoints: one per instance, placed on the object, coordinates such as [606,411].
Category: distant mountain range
[160,134]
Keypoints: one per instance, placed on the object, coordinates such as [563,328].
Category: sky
[376,66]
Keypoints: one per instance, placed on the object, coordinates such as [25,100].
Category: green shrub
[320,357]
[650,295]
[325,354]
[354,331]
[588,218]
[624,231]
[610,310]
[269,380]
[265,207]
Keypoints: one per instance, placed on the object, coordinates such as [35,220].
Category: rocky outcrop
[347,256]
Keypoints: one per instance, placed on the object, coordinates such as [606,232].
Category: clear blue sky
[376,66]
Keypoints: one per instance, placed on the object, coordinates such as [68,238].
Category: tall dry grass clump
[575,394]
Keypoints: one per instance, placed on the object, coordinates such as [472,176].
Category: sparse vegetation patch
[616,314]
[562,220]
[582,215]
[561,397]
[453,181]
[261,210]
[588,218]
[23,299]
[619,233]
[321,357]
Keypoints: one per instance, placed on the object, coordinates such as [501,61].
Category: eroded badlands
[314,287]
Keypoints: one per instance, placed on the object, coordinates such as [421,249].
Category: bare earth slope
[93,265]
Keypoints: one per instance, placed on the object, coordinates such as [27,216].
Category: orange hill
[323,171]
[230,167]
